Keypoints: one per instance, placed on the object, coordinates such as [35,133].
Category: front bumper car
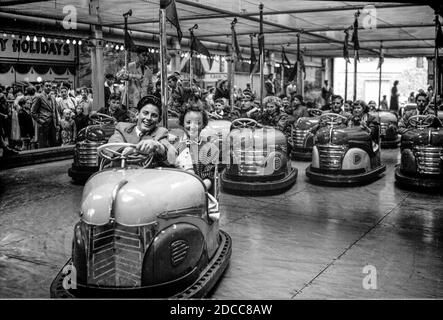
[258,162]
[122,248]
[421,163]
[344,157]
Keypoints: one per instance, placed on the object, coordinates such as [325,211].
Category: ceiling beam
[9,3]
[268,13]
[387,26]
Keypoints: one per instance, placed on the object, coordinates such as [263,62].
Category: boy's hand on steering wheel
[128,150]
[148,146]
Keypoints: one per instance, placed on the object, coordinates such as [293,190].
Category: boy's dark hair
[337,96]
[114,96]
[150,99]
[196,106]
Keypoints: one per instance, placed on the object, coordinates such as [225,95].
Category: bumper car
[258,160]
[144,233]
[301,138]
[421,163]
[86,161]
[388,128]
[344,156]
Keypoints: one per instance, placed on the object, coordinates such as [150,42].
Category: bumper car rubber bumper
[81,174]
[342,179]
[391,143]
[259,186]
[200,288]
[416,181]
[301,155]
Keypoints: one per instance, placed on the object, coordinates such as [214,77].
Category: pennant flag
[345,46]
[284,58]
[238,55]
[171,15]
[381,59]
[253,59]
[129,44]
[197,46]
[302,65]
[439,37]
[355,37]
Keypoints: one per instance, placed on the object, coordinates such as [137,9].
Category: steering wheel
[421,121]
[332,118]
[244,123]
[315,112]
[101,118]
[134,158]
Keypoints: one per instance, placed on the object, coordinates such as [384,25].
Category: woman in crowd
[362,118]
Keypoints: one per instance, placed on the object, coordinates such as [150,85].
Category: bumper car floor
[312,241]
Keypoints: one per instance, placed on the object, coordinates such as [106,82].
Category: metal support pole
[379,76]
[346,80]
[262,56]
[231,69]
[436,69]
[125,15]
[355,76]
[163,71]
[282,74]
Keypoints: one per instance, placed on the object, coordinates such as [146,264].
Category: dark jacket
[126,132]
[44,110]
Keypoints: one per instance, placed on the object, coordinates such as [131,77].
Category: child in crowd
[25,122]
[68,129]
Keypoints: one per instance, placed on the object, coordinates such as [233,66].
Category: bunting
[284,59]
[238,55]
[253,64]
[129,44]
[355,36]
[381,59]
[199,47]
[345,47]
[171,15]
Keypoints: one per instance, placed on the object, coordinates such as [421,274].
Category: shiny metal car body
[258,161]
[86,161]
[421,163]
[344,156]
[301,138]
[146,233]
[388,128]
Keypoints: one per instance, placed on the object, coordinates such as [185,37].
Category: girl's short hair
[193,106]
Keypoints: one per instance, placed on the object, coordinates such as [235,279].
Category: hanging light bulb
[43,39]
[4,35]
[13,35]
[74,41]
[28,38]
[122,48]
[107,45]
[68,41]
[79,42]
[34,39]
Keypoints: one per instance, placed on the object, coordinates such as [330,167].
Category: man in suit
[139,77]
[45,112]
[109,82]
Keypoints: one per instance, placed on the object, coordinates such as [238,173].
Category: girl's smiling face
[193,123]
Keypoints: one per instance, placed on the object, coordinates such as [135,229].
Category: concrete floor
[311,242]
